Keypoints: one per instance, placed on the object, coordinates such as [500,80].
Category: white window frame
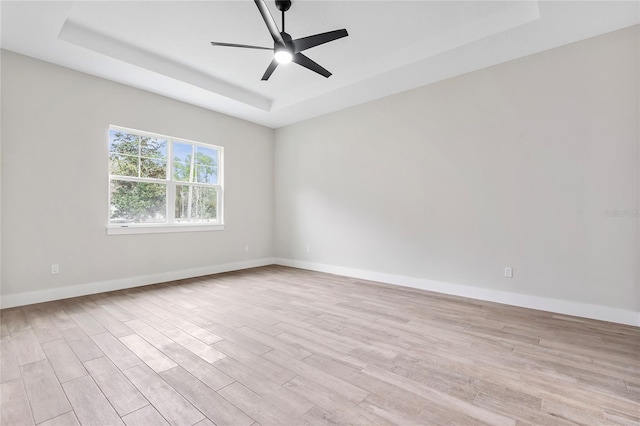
[171,225]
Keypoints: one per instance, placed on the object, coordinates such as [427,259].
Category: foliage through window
[148,188]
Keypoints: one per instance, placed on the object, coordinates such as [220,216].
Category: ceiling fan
[284,47]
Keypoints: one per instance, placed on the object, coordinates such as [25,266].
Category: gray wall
[513,165]
[55,180]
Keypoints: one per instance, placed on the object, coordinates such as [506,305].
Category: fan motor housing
[283,5]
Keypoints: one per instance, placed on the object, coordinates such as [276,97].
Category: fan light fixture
[283,56]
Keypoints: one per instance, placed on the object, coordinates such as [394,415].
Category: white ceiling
[163,46]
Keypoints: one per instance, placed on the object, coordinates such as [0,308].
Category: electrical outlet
[308,249]
[55,269]
[246,248]
[508,272]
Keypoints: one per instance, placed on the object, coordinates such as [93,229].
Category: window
[162,184]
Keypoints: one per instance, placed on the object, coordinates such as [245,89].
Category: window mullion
[139,156]
[192,167]
[171,185]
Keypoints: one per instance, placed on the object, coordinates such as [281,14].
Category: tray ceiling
[163,46]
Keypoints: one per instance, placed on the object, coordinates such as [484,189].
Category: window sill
[161,229]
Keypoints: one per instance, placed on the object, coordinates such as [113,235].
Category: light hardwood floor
[281,346]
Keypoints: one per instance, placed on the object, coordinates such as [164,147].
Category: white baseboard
[584,310]
[28,298]
[604,313]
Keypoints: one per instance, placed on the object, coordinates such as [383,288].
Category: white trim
[160,229]
[566,307]
[28,298]
[584,310]
[139,179]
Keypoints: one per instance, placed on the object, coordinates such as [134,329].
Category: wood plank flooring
[282,346]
